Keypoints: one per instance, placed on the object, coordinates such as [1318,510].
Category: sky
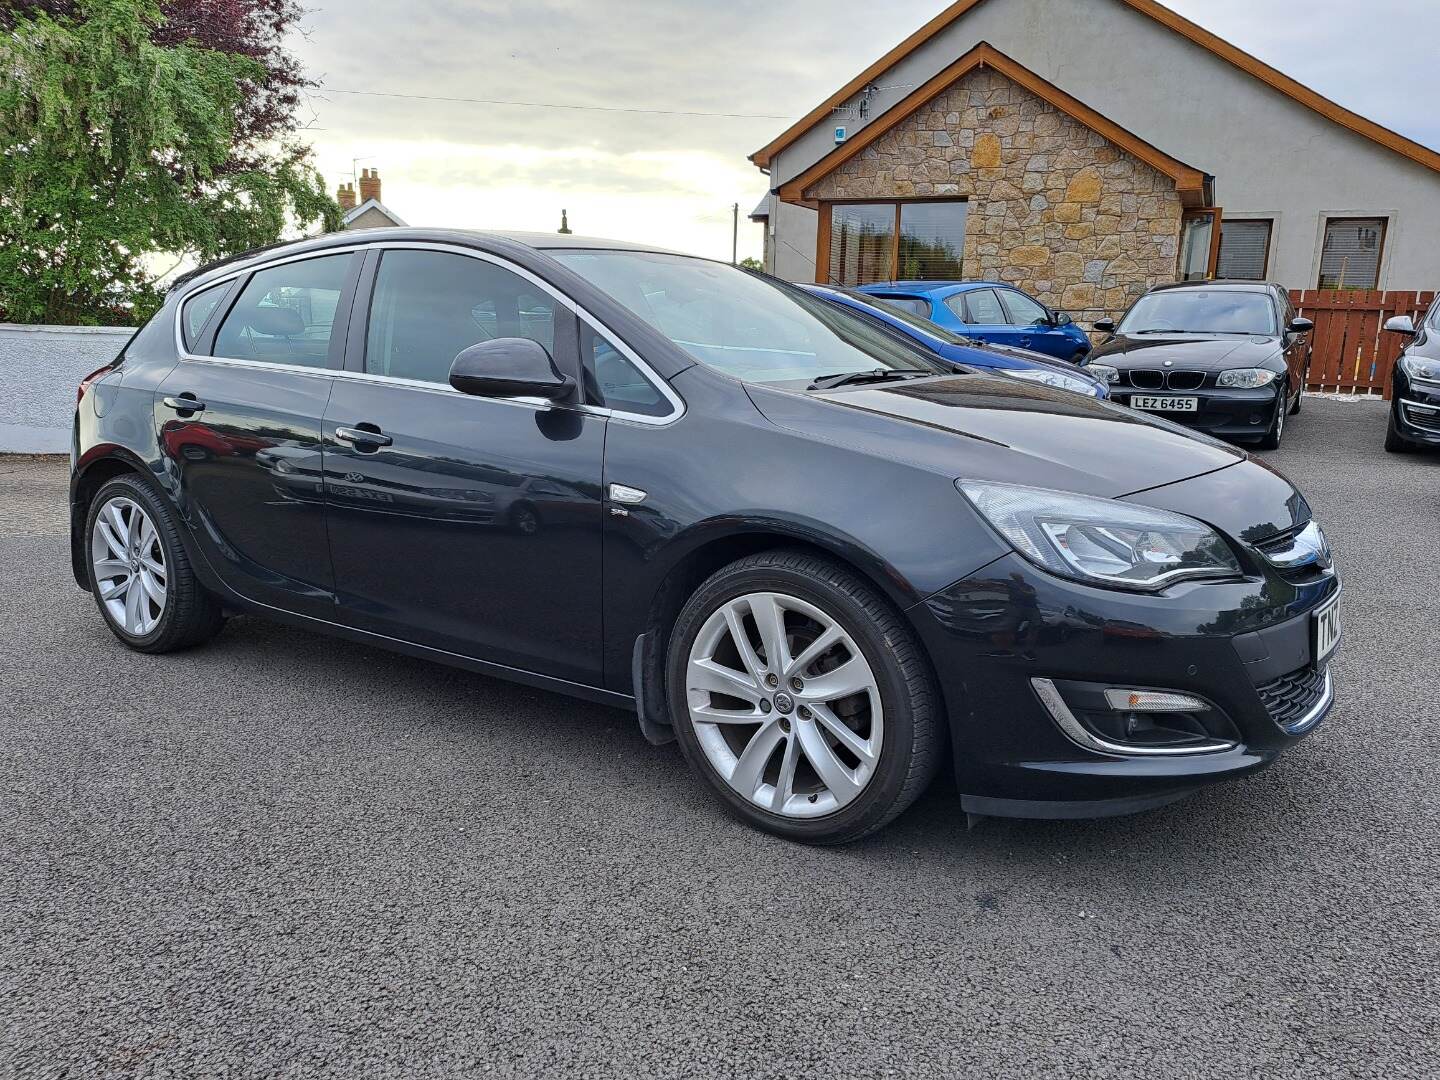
[672,179]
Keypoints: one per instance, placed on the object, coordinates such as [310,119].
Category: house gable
[1054,207]
[1198,35]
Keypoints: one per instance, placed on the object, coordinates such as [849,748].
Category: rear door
[238,421]
[1033,327]
[463,523]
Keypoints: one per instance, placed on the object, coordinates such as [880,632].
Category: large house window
[1244,249]
[1350,257]
[889,241]
[1198,236]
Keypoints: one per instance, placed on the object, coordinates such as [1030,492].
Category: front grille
[1146,379]
[1186,380]
[1291,698]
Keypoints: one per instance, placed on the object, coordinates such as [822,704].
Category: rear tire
[823,749]
[140,574]
[1394,441]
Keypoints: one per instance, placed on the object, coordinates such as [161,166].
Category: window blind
[1243,247]
[1350,258]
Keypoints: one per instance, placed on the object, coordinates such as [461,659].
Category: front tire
[1396,443]
[140,574]
[801,698]
[1271,439]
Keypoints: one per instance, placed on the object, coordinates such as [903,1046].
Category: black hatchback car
[821,559]
[1414,421]
[1229,358]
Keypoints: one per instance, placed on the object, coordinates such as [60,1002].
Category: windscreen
[743,325]
[1201,311]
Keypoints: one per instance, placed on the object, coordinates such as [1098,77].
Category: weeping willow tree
[118,144]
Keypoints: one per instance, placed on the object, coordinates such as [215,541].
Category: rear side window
[980,306]
[613,381]
[430,306]
[910,304]
[286,314]
[198,309]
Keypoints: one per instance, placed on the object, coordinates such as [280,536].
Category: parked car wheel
[1271,439]
[1394,441]
[140,575]
[1300,394]
[802,699]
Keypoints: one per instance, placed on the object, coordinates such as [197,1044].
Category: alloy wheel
[784,705]
[129,566]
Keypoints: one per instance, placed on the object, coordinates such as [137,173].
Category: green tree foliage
[752,263]
[114,148]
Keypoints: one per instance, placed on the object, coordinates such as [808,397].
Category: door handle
[183,404]
[360,437]
[1025,341]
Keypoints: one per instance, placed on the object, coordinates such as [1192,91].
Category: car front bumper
[1231,413]
[1244,647]
[1416,409]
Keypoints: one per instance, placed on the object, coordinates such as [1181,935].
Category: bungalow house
[1085,151]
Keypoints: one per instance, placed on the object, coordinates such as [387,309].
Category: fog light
[1256,418]
[1152,701]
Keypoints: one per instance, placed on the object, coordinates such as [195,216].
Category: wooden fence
[1351,352]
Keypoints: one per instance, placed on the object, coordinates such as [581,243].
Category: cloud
[673,179]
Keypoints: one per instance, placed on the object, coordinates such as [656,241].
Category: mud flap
[649,696]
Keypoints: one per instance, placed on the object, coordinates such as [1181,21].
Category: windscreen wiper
[850,378]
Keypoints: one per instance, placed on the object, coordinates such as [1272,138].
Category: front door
[467,524]
[238,423]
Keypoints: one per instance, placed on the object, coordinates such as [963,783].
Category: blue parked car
[1019,363]
[990,311]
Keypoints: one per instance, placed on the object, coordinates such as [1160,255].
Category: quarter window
[1350,258]
[198,309]
[1244,249]
[430,306]
[613,381]
[286,313]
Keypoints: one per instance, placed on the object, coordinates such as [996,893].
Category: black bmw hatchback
[826,563]
[1230,358]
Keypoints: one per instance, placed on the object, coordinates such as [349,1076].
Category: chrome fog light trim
[1082,736]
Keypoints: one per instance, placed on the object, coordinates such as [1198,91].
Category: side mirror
[1301,326]
[1104,326]
[509,367]
[1061,319]
[1401,324]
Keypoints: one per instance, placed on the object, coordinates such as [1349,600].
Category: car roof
[1226,284]
[934,288]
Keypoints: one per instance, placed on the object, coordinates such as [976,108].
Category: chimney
[346,197]
[369,185]
[564,229]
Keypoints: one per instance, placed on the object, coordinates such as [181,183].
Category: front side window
[1201,311]
[1350,257]
[430,306]
[1023,310]
[286,313]
[1244,250]
[748,327]
[612,381]
[890,241]
[198,309]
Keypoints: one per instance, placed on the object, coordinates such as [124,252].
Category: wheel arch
[93,473]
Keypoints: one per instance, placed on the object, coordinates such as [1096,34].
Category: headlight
[1418,367]
[1102,541]
[1104,372]
[1057,379]
[1248,378]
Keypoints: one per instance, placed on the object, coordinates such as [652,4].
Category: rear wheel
[802,699]
[140,574]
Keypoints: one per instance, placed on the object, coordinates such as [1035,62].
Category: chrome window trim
[677,403]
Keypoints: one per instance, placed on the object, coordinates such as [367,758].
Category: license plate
[1165,404]
[1327,631]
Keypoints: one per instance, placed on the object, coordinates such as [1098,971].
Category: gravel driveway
[285,855]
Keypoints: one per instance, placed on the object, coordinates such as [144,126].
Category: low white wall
[40,367]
